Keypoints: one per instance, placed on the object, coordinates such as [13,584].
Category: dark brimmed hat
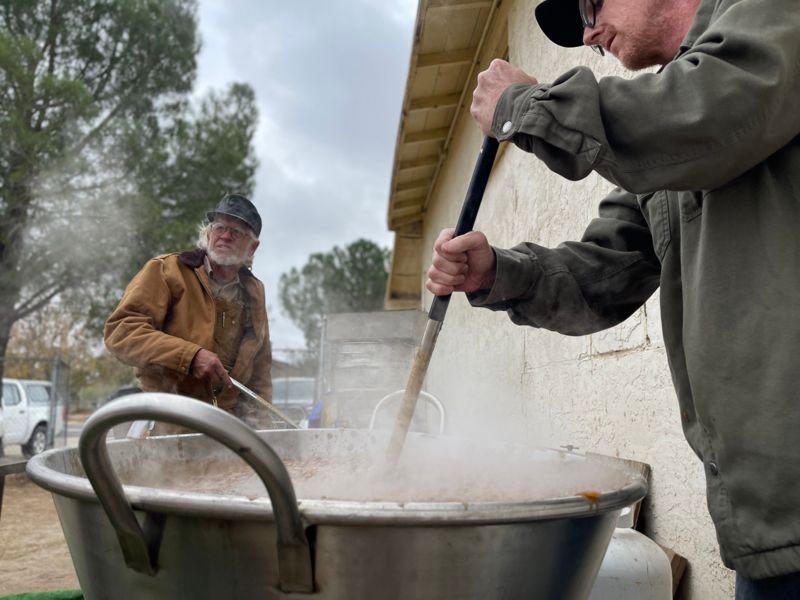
[560,20]
[236,205]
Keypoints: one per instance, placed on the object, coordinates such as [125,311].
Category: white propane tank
[634,567]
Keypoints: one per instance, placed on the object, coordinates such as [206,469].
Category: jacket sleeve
[579,287]
[724,105]
[133,331]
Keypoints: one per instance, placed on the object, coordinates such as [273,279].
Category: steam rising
[348,466]
[486,455]
[80,231]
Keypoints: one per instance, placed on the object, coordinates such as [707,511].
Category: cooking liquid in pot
[474,476]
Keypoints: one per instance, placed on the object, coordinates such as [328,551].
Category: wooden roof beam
[419,184]
[400,204]
[434,102]
[457,4]
[401,220]
[423,162]
[429,135]
[412,193]
[438,59]
[406,211]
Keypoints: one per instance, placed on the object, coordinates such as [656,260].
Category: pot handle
[399,394]
[140,546]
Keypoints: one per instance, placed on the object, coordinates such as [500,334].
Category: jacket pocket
[655,208]
[691,205]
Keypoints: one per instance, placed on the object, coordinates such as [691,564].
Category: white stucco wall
[610,392]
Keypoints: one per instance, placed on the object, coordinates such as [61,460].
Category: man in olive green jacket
[190,321]
[706,155]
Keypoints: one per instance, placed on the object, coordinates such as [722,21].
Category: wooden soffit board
[453,41]
[448,39]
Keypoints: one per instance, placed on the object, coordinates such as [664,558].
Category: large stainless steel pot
[141,540]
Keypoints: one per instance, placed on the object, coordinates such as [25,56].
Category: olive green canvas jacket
[706,157]
[167,314]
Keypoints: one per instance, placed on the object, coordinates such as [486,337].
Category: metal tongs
[266,404]
[142,429]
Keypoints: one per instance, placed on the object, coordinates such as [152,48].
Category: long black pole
[469,210]
[466,220]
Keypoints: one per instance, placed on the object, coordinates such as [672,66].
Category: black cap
[236,205]
[561,22]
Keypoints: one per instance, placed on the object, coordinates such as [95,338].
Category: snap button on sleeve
[506,126]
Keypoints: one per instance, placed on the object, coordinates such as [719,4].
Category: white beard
[229,260]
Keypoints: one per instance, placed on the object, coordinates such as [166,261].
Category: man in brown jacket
[190,321]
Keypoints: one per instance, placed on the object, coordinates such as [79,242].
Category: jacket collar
[699,25]
[192,258]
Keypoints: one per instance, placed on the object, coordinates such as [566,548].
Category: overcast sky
[329,77]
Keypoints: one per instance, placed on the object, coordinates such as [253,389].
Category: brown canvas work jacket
[168,313]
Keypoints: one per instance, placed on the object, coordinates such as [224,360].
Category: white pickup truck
[26,414]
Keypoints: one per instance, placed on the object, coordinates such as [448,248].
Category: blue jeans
[784,587]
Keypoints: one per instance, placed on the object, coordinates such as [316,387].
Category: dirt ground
[33,552]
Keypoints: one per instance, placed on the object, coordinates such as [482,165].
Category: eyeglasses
[236,234]
[589,10]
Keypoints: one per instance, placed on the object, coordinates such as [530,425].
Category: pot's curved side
[210,545]
[210,558]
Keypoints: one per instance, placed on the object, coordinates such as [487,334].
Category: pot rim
[318,511]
